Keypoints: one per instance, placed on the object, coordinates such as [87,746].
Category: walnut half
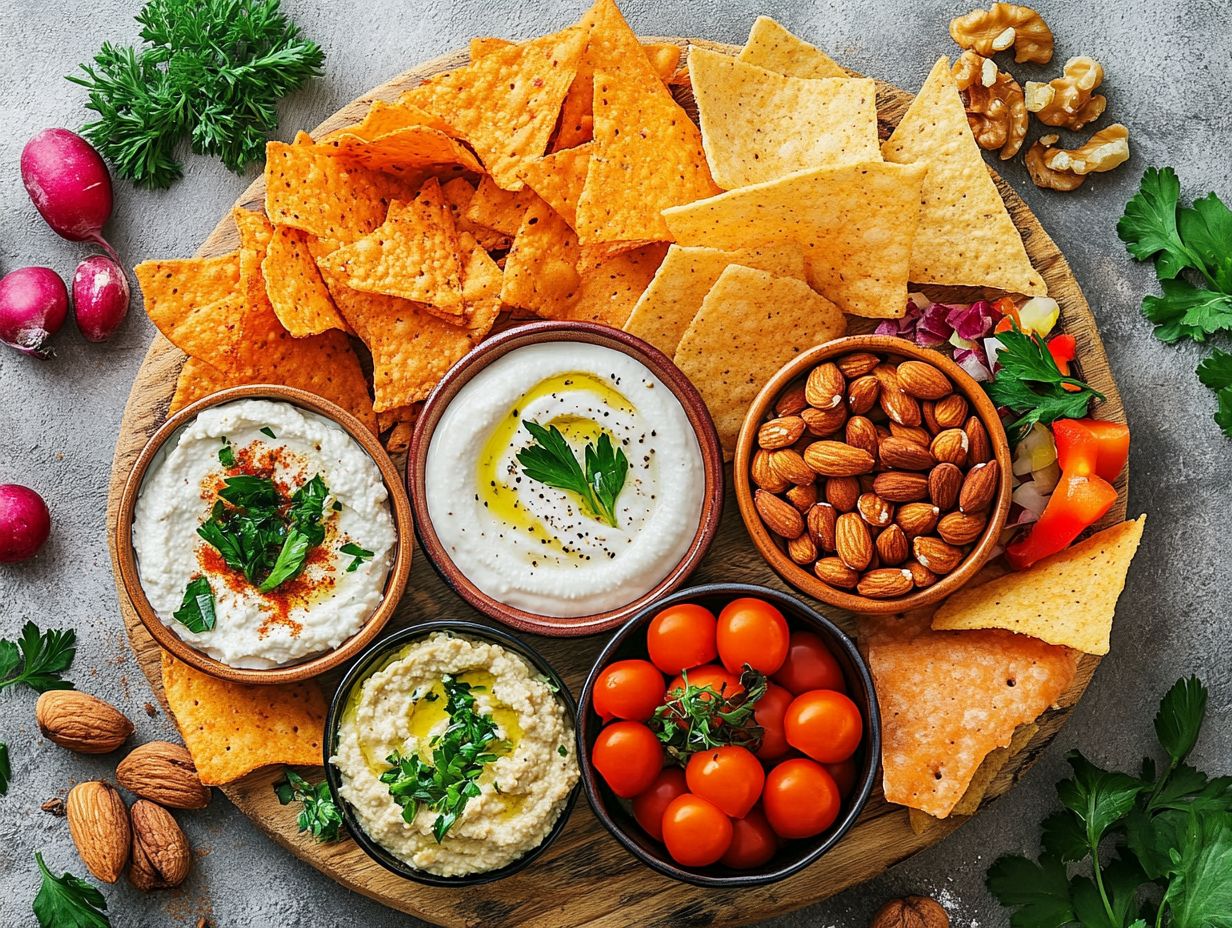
[995,104]
[1002,26]
[1067,168]
[1069,100]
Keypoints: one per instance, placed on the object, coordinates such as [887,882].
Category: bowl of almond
[873,475]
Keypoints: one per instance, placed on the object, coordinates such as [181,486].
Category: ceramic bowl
[793,856]
[569,332]
[806,581]
[395,583]
[370,662]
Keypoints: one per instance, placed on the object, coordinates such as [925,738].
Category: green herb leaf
[1039,892]
[1064,837]
[6,769]
[196,612]
[1199,893]
[38,659]
[319,816]
[1185,311]
[1099,798]
[1149,226]
[226,454]
[562,750]
[1029,382]
[1179,719]
[307,507]
[551,461]
[1216,373]
[697,718]
[606,469]
[68,902]
[266,430]
[359,554]
[290,560]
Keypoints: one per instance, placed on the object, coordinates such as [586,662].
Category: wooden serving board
[586,878]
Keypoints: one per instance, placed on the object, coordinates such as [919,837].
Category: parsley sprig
[459,755]
[38,659]
[1158,844]
[319,816]
[551,461]
[697,718]
[1029,382]
[68,901]
[196,612]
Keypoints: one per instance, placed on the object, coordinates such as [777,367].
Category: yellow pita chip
[1068,599]
[294,286]
[231,729]
[965,234]
[458,194]
[541,268]
[856,222]
[750,324]
[611,286]
[772,47]
[412,255]
[383,118]
[410,150]
[559,177]
[758,125]
[505,104]
[195,304]
[684,278]
[494,208]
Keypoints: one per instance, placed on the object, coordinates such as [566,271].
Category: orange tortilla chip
[485,45]
[231,729]
[559,178]
[482,280]
[772,47]
[494,208]
[611,287]
[541,268]
[194,303]
[294,286]
[458,194]
[385,117]
[407,151]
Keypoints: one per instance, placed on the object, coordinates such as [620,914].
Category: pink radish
[33,304]
[69,184]
[100,297]
[25,523]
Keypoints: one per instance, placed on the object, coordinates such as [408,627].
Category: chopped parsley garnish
[551,461]
[562,750]
[337,506]
[226,454]
[459,755]
[319,816]
[36,659]
[700,717]
[68,901]
[266,430]
[359,555]
[1029,382]
[196,612]
[306,532]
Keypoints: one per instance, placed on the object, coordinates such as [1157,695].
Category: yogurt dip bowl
[563,475]
[263,535]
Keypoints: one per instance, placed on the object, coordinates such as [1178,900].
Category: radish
[33,304]
[25,523]
[69,184]
[100,297]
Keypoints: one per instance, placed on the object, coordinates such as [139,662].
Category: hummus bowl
[402,697]
[563,476]
[263,535]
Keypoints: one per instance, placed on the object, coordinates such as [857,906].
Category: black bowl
[793,856]
[360,670]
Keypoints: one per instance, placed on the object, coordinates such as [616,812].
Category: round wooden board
[587,878]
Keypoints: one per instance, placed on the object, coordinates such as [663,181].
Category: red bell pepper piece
[1062,348]
[1104,446]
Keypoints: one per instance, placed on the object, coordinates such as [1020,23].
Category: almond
[834,572]
[874,510]
[961,528]
[81,722]
[788,466]
[950,446]
[98,824]
[892,546]
[917,518]
[853,542]
[779,516]
[928,410]
[163,773]
[802,550]
[161,855]
[979,449]
[842,493]
[887,375]
[944,482]
[923,381]
[765,476]
[885,583]
[915,433]
[821,522]
[822,422]
[862,394]
[922,576]
[791,401]
[900,486]
[857,364]
[837,459]
[803,497]
[951,412]
[861,433]
[899,407]
[780,432]
[824,387]
[979,487]
[904,454]
[935,554]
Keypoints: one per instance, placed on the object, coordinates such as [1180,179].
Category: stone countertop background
[1168,67]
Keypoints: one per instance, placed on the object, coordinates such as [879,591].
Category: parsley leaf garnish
[266,430]
[226,454]
[38,660]
[196,612]
[307,506]
[697,718]
[319,816]
[1029,382]
[6,768]
[551,461]
[358,554]
[1216,373]
[68,901]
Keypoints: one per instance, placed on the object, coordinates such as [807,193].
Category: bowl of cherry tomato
[728,735]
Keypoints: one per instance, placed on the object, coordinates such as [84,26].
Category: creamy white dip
[312,613]
[536,547]
[400,708]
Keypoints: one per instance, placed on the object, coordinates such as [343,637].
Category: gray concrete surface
[1168,67]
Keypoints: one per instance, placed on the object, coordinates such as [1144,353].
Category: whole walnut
[911,912]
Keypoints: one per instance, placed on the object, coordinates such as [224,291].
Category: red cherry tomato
[695,831]
[753,632]
[681,637]
[711,675]
[824,724]
[768,713]
[801,798]
[629,690]
[753,842]
[810,665]
[628,756]
[844,773]
[730,777]
[649,806]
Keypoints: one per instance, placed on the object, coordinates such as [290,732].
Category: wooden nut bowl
[808,582]
[395,583]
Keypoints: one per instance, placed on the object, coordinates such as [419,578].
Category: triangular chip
[611,286]
[758,125]
[750,324]
[195,303]
[684,278]
[856,223]
[383,118]
[559,177]
[541,269]
[1067,599]
[494,208]
[410,150]
[966,235]
[485,45]
[772,47]
[294,286]
[507,102]
[231,729]
[481,287]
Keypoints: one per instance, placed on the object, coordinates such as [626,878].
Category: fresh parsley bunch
[698,718]
[1158,845]
[319,816]
[552,462]
[211,72]
[68,901]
